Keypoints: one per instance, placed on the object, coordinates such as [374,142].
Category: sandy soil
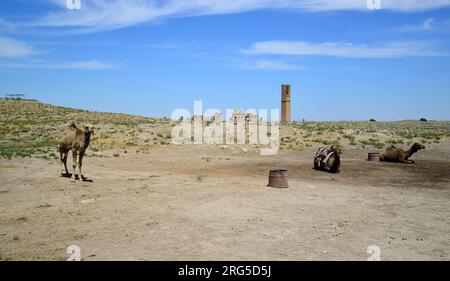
[207,203]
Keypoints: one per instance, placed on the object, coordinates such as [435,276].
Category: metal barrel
[278,179]
[374,156]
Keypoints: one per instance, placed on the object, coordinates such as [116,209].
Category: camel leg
[411,161]
[407,162]
[65,162]
[74,165]
[61,157]
[80,163]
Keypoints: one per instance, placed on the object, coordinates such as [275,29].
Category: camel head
[88,128]
[417,146]
[336,150]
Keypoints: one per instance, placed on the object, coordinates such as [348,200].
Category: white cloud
[270,65]
[78,65]
[427,25]
[394,5]
[12,48]
[430,24]
[4,24]
[15,49]
[98,15]
[21,51]
[101,15]
[389,50]
[86,65]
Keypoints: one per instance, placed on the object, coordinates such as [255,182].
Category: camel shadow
[84,179]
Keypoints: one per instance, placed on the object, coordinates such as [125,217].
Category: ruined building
[242,116]
[285,103]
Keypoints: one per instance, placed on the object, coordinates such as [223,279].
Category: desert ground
[148,200]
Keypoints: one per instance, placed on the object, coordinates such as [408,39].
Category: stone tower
[285,103]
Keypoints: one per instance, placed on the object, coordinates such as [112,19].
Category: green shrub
[379,145]
[24,148]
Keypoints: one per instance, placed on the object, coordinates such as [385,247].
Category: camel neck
[87,137]
[336,163]
[410,152]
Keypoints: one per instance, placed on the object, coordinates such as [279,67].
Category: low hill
[30,128]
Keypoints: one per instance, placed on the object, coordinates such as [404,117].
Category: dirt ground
[206,203]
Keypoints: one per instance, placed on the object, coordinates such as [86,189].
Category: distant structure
[242,116]
[238,116]
[217,117]
[18,97]
[15,96]
[198,118]
[285,103]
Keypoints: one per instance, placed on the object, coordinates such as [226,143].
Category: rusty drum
[374,156]
[278,179]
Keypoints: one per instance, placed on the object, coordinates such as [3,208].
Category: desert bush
[364,142]
[25,148]
[351,138]
[131,143]
[395,141]
[53,155]
[378,145]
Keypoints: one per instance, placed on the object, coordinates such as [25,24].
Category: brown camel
[77,140]
[394,154]
[328,160]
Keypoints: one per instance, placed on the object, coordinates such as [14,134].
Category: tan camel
[77,140]
[328,160]
[394,154]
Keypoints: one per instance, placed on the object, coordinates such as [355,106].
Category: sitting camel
[394,154]
[77,140]
[328,160]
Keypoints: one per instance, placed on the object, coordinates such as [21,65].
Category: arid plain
[147,199]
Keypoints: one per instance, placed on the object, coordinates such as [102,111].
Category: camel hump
[73,125]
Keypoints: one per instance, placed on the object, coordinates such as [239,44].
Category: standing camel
[77,140]
[394,154]
[328,160]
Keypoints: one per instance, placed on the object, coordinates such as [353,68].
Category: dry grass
[369,134]
[31,129]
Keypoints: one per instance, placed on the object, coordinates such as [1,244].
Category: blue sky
[343,60]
